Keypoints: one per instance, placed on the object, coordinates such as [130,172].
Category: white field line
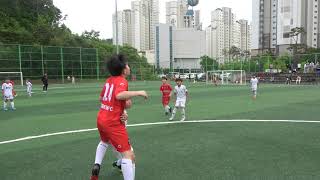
[151,124]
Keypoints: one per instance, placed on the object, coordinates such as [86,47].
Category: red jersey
[111,109]
[165,89]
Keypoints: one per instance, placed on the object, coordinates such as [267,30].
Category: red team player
[111,129]
[13,91]
[166,90]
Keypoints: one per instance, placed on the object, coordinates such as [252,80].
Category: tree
[93,35]
[234,52]
[295,33]
[28,21]
[208,64]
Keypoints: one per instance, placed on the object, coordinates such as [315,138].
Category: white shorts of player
[8,97]
[181,103]
[29,89]
[254,91]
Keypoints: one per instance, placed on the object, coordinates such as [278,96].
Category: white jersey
[254,83]
[29,85]
[7,89]
[181,92]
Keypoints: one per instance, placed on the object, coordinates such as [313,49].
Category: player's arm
[125,95]
[102,93]
[170,91]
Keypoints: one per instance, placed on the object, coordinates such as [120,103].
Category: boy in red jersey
[166,89]
[13,91]
[111,129]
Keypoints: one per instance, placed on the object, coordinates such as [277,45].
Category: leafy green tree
[208,64]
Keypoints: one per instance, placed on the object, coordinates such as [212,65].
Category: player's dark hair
[116,64]
[164,78]
[179,79]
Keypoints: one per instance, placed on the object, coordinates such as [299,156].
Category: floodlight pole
[116,19]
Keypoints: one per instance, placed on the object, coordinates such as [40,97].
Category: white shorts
[254,92]
[8,97]
[29,89]
[181,103]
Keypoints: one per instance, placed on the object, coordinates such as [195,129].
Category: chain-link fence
[300,63]
[85,63]
[57,62]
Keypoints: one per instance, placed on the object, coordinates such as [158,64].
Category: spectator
[305,67]
[44,80]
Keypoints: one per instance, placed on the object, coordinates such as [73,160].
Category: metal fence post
[20,59]
[42,63]
[81,63]
[62,68]
[97,59]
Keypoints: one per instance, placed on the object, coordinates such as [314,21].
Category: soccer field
[202,150]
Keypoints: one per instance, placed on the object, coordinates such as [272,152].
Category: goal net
[16,77]
[226,77]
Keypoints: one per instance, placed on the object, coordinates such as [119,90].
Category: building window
[286,35]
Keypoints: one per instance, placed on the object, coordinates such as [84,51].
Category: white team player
[254,86]
[181,94]
[29,87]
[7,93]
[73,80]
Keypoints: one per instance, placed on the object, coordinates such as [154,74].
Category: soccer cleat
[5,109]
[95,172]
[171,119]
[13,109]
[166,113]
[183,119]
[114,164]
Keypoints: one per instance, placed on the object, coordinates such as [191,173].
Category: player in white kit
[181,94]
[29,87]
[254,86]
[7,93]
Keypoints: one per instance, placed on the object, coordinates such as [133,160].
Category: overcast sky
[97,14]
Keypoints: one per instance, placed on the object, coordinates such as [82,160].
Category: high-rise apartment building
[224,32]
[274,19]
[221,32]
[245,35]
[136,27]
[124,27]
[178,15]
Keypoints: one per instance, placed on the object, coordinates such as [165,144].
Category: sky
[97,14]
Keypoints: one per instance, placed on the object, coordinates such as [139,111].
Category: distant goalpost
[12,75]
[226,77]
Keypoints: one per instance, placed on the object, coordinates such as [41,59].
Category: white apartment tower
[175,12]
[245,35]
[221,33]
[145,16]
[124,27]
[274,19]
[178,15]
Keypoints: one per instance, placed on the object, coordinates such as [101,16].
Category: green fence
[57,62]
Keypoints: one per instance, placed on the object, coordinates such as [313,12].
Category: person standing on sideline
[29,87]
[44,80]
[73,80]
